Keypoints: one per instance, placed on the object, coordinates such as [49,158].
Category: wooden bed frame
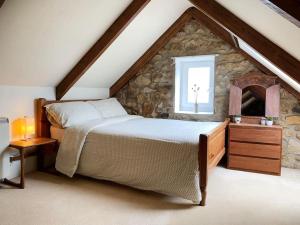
[211,146]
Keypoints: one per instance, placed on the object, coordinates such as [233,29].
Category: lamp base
[25,139]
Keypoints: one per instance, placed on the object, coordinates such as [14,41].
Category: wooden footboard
[211,151]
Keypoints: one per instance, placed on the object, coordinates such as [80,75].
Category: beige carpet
[234,197]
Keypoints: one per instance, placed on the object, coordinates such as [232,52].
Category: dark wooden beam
[289,9]
[151,52]
[260,43]
[192,13]
[1,3]
[265,70]
[233,41]
[212,25]
[100,46]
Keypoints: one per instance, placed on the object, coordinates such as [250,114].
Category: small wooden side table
[23,146]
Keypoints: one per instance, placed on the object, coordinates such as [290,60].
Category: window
[194,84]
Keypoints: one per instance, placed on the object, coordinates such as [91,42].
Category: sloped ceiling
[41,41]
[269,23]
[146,28]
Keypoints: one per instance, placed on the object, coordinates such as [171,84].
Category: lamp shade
[27,127]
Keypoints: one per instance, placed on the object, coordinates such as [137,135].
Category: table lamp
[27,128]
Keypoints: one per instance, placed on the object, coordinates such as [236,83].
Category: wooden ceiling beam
[151,52]
[265,70]
[232,40]
[164,39]
[100,46]
[1,3]
[289,9]
[192,13]
[212,25]
[256,40]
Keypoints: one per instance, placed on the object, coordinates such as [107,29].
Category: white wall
[18,101]
[87,93]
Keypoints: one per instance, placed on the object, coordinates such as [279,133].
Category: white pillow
[109,108]
[71,113]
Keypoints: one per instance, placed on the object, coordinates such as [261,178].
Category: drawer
[255,164]
[270,136]
[257,150]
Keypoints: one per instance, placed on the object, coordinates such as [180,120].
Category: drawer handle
[211,155]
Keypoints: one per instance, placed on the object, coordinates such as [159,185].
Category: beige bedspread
[150,154]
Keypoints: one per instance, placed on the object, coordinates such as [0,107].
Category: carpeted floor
[234,197]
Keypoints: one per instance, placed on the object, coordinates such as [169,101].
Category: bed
[167,156]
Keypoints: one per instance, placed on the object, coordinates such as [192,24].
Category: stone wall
[151,92]
[290,121]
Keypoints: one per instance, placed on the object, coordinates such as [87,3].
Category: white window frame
[182,64]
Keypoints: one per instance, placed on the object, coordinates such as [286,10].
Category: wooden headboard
[41,120]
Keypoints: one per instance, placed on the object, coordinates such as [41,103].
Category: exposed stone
[288,160]
[140,99]
[157,58]
[294,146]
[295,162]
[284,145]
[142,81]
[147,108]
[148,90]
[297,157]
[296,109]
[285,106]
[297,165]
[151,92]
[293,120]
[288,133]
[155,97]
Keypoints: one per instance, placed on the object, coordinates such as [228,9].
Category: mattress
[57,133]
[149,154]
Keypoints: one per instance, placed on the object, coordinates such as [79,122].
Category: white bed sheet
[149,154]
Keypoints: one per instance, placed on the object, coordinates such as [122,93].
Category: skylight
[256,55]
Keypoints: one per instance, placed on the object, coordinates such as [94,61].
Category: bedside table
[23,147]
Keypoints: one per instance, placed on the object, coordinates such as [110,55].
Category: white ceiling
[269,23]
[40,41]
[146,28]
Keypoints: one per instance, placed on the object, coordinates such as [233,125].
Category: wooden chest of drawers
[255,148]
